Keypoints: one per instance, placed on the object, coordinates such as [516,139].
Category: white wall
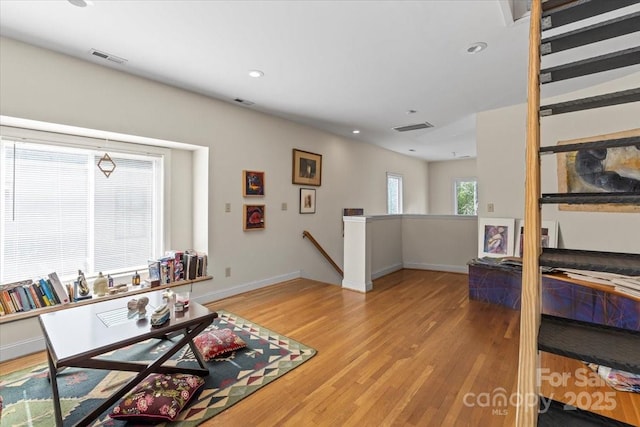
[442,178]
[378,245]
[439,242]
[501,143]
[386,244]
[42,85]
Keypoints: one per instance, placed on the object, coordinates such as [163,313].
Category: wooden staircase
[589,342]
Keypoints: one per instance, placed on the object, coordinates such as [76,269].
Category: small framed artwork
[495,237]
[253,217]
[548,236]
[252,183]
[307,200]
[352,212]
[307,168]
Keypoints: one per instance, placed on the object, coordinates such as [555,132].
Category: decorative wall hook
[106,165]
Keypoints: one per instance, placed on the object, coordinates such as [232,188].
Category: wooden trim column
[527,411]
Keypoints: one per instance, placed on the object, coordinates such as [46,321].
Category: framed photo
[253,217]
[252,183]
[548,238]
[307,200]
[591,171]
[307,168]
[495,237]
[352,212]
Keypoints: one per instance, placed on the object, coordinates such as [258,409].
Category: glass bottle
[135,280]
[100,285]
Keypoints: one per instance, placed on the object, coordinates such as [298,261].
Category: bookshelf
[130,292]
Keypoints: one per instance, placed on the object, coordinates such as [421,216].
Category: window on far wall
[394,193]
[59,212]
[466,196]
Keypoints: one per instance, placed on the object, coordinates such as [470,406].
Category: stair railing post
[527,410]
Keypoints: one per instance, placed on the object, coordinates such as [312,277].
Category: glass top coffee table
[77,336]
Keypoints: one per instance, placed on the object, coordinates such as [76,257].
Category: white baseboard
[437,267]
[357,286]
[386,270]
[21,348]
[245,287]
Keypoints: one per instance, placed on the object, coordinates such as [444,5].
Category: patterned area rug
[232,377]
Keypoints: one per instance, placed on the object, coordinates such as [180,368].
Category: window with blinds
[60,213]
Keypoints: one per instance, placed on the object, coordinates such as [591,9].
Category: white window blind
[61,213]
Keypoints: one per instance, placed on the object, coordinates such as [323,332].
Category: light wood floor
[413,352]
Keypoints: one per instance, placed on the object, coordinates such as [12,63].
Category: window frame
[399,177]
[457,181]
[126,149]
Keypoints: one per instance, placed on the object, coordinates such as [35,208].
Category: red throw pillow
[217,341]
[157,397]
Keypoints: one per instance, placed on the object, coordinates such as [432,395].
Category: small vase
[100,285]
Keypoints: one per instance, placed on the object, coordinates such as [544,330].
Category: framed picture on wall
[253,217]
[252,183]
[307,201]
[307,168]
[613,169]
[495,237]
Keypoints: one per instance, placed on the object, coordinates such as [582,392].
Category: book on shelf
[14,297]
[58,288]
[154,270]
[34,295]
[201,269]
[44,301]
[47,296]
[22,296]
[166,270]
[178,265]
[191,265]
[629,285]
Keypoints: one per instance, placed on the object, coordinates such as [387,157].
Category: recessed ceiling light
[256,73]
[412,111]
[477,47]
[412,150]
[355,131]
[81,3]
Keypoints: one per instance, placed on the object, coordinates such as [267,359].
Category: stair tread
[557,415]
[598,101]
[553,17]
[609,29]
[597,64]
[590,342]
[611,262]
[592,198]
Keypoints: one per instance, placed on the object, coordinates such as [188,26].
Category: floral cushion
[217,341]
[157,397]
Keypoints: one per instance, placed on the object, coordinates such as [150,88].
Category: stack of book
[178,265]
[629,285]
[28,295]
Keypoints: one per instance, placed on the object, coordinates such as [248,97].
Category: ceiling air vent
[244,101]
[416,126]
[108,56]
